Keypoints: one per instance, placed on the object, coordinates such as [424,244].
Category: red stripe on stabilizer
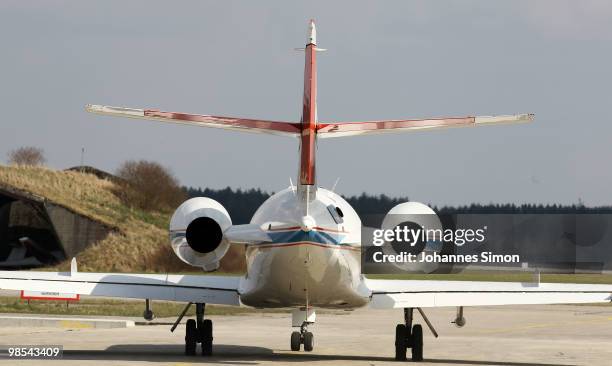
[229,121]
[309,122]
[393,124]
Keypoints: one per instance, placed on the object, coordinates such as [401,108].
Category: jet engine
[413,216]
[196,232]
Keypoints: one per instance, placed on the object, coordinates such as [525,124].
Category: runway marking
[75,324]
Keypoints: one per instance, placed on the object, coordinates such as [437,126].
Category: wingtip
[115,111]
[527,117]
[92,108]
[501,119]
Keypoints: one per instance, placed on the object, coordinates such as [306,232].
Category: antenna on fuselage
[333,189]
[292,186]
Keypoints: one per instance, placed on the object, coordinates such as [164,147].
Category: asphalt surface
[507,336]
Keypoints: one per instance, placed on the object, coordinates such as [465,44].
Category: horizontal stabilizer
[341,129]
[228,123]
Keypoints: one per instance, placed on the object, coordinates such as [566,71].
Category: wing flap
[228,123]
[341,129]
[189,288]
[408,293]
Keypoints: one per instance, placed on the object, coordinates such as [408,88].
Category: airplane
[303,244]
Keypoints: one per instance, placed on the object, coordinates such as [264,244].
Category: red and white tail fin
[308,128]
[309,111]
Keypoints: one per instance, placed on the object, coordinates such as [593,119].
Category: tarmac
[507,336]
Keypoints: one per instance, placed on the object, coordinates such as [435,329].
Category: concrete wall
[54,232]
[75,232]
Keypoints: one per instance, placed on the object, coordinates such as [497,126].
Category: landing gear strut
[408,336]
[302,337]
[199,330]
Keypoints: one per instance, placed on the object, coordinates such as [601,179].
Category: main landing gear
[411,336]
[198,330]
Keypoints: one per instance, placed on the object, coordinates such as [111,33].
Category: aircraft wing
[185,288]
[228,123]
[413,293]
[341,129]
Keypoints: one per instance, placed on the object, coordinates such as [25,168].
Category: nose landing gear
[302,318]
[302,337]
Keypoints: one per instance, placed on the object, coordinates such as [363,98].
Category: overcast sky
[386,60]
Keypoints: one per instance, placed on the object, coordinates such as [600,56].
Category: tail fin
[309,111]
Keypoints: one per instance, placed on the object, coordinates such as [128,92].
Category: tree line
[150,186]
[242,204]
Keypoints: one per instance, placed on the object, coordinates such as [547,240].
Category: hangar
[36,232]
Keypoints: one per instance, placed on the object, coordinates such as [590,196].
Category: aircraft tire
[400,342]
[191,337]
[296,340]
[417,342]
[206,334]
[308,342]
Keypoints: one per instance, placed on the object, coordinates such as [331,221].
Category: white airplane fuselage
[316,263]
[314,255]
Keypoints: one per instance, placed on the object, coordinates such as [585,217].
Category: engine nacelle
[413,215]
[196,232]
